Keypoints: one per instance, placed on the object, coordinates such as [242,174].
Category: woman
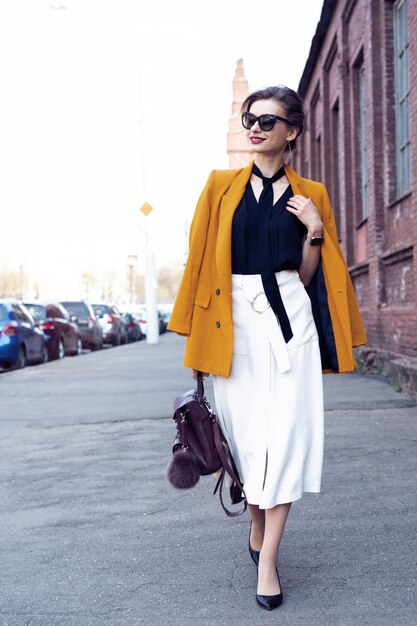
[261,236]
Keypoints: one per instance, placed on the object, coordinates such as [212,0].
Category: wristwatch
[314,241]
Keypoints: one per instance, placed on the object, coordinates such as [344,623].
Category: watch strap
[314,241]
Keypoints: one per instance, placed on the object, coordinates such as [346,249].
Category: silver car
[112,323]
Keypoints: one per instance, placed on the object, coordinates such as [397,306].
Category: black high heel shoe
[270,602]
[254,553]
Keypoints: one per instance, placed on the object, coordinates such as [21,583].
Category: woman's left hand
[305,210]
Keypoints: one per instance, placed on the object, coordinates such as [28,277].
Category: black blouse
[261,241]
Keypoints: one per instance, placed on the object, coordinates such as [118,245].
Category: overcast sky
[108,103]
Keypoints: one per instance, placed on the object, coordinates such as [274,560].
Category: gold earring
[289,147]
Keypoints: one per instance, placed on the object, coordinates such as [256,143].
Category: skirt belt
[253,291]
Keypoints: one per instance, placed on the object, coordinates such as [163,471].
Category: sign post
[151,284]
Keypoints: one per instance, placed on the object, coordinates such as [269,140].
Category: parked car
[21,341]
[140,315]
[134,331]
[112,323]
[165,310]
[162,323]
[82,313]
[62,335]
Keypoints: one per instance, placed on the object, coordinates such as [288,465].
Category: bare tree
[89,283]
[12,283]
[169,279]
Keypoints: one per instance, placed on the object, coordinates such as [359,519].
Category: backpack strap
[223,452]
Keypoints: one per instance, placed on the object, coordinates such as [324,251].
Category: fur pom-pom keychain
[183,470]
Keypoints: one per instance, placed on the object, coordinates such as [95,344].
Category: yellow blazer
[203,306]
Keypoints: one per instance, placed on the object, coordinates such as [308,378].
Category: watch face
[316,241]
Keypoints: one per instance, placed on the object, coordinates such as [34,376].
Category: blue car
[21,341]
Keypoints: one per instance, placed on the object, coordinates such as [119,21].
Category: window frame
[402,97]
[361,84]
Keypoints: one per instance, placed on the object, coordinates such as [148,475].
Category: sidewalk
[92,534]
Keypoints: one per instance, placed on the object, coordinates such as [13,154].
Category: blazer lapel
[295,180]
[228,205]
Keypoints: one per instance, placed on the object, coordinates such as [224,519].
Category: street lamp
[132,260]
[151,284]
[21,281]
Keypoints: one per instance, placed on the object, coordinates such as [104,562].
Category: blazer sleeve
[181,317]
[356,325]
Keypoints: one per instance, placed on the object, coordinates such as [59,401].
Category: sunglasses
[266,121]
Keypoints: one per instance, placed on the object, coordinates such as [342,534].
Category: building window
[317,158]
[315,148]
[336,163]
[362,141]
[402,97]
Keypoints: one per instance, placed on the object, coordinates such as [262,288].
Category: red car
[62,335]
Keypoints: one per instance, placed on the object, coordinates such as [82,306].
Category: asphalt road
[92,534]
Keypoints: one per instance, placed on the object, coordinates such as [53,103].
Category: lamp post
[132,260]
[21,281]
[151,284]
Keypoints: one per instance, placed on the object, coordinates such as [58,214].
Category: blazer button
[217,324]
[217,292]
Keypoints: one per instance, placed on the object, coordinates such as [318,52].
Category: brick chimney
[237,146]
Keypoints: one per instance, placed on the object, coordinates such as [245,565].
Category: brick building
[359,87]
[237,145]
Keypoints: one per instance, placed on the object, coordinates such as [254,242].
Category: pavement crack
[377,406]
[168,506]
[131,420]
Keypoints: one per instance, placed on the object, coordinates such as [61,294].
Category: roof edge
[316,45]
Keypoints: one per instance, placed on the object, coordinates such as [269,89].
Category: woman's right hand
[195,374]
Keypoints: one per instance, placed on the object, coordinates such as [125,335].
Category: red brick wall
[379,249]
[237,145]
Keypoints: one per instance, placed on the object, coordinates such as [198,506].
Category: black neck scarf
[269,281]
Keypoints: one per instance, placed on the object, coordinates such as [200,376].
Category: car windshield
[37,311]
[78,309]
[101,309]
[3,313]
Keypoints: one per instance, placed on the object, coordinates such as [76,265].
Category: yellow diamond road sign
[146,208]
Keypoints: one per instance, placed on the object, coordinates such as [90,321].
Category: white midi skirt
[271,407]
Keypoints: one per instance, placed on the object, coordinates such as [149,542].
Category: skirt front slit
[271,406]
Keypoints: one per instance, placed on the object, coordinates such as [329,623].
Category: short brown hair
[285,96]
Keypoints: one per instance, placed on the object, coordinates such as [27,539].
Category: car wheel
[45,356]
[116,340]
[21,360]
[78,348]
[60,350]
